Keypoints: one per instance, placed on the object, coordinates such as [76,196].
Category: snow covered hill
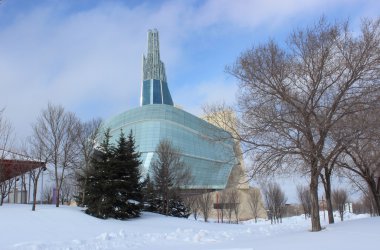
[69,228]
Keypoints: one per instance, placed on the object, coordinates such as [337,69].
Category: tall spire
[154,88]
[153,68]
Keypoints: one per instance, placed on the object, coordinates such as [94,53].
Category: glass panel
[209,159]
[157,98]
[146,92]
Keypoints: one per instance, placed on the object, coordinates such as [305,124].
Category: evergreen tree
[113,189]
[134,169]
[125,178]
[97,196]
[149,195]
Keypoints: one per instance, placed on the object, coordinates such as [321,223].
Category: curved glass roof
[205,148]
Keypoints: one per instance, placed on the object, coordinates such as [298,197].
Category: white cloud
[89,60]
[250,14]
[87,56]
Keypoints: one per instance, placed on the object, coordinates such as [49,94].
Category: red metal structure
[12,168]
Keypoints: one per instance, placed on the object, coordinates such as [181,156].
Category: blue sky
[86,54]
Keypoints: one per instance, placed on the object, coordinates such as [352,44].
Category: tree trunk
[222,214]
[84,190]
[315,220]
[1,200]
[377,201]
[166,202]
[57,197]
[326,179]
[23,193]
[330,211]
[34,195]
[376,195]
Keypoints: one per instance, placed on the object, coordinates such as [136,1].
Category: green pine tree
[149,195]
[113,189]
[134,164]
[98,186]
[125,176]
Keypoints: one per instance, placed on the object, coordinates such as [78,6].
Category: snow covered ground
[69,228]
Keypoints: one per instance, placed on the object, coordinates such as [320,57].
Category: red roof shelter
[12,168]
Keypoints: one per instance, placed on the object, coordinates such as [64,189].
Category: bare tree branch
[292,99]
[57,131]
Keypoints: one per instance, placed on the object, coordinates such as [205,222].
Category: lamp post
[218,205]
[30,178]
[323,208]
[42,187]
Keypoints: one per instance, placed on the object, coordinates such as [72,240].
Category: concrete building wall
[227,121]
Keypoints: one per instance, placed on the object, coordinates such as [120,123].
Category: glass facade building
[210,160]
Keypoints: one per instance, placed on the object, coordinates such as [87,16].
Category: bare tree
[169,173]
[67,191]
[340,198]
[34,150]
[223,199]
[47,195]
[6,140]
[325,176]
[228,206]
[35,175]
[57,130]
[303,194]
[234,201]
[205,204]
[5,188]
[193,203]
[290,99]
[88,132]
[359,185]
[275,201]
[363,205]
[254,202]
[6,183]
[361,156]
